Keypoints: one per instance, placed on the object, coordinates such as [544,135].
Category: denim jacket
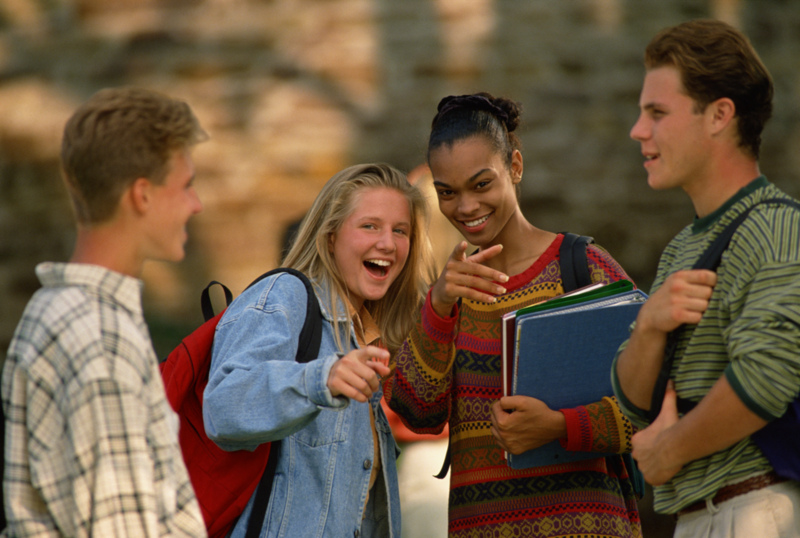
[257,393]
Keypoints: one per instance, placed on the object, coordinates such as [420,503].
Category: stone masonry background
[291,91]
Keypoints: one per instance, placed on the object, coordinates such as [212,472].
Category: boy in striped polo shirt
[705,99]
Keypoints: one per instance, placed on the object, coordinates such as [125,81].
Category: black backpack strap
[311,333]
[307,350]
[446,463]
[573,261]
[263,492]
[205,299]
[660,387]
[709,259]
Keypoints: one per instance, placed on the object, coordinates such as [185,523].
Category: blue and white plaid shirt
[91,442]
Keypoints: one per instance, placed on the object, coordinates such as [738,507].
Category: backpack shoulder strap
[307,350]
[205,299]
[709,259]
[311,333]
[573,261]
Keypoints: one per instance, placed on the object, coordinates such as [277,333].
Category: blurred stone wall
[293,90]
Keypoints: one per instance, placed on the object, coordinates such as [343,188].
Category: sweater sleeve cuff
[737,387]
[636,415]
[575,434]
[433,320]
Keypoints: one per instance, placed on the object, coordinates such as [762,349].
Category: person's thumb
[669,407]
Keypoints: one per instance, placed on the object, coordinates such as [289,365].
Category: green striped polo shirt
[750,332]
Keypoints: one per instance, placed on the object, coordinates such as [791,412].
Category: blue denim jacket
[257,393]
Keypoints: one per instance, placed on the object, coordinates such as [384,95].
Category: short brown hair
[117,136]
[716,60]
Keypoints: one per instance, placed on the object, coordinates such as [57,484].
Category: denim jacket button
[367,464]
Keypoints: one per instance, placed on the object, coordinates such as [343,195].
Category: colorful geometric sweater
[448,371]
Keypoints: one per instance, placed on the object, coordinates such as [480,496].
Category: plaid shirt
[91,442]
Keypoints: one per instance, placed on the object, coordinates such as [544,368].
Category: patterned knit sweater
[448,371]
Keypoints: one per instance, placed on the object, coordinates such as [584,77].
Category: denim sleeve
[256,392]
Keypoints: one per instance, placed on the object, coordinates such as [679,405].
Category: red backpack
[224,481]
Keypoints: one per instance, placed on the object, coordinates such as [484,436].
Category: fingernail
[501,290]
[504,278]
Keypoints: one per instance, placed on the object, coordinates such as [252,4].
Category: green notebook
[582,295]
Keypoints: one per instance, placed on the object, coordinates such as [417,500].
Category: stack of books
[561,351]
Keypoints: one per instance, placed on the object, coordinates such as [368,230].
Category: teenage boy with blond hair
[91,442]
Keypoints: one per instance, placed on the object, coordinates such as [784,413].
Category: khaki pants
[770,512]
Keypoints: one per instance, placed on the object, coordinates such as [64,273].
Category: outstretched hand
[656,464]
[468,277]
[357,374]
[522,423]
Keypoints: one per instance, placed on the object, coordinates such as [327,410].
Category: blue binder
[563,357]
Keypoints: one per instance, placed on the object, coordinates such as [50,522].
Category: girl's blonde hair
[310,253]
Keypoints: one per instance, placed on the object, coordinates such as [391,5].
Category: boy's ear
[139,195]
[723,112]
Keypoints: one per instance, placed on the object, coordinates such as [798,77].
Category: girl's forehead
[464,161]
[463,145]
[379,201]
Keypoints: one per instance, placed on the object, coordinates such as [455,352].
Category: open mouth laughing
[379,268]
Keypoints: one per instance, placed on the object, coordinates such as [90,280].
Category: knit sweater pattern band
[449,371]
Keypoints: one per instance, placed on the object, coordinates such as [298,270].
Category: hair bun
[504,110]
